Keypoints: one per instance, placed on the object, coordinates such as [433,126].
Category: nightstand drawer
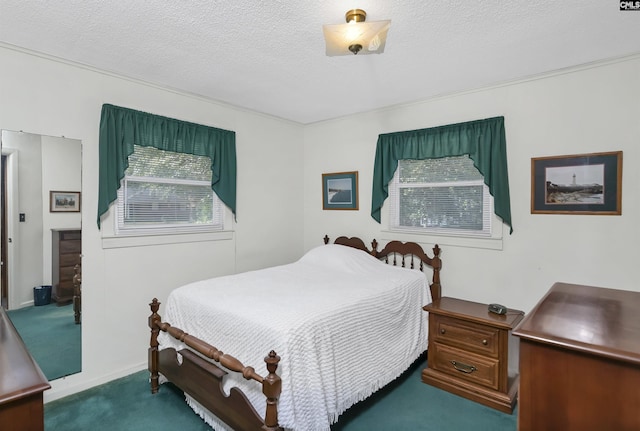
[464,365]
[480,339]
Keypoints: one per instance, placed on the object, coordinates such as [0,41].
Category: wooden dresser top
[595,320]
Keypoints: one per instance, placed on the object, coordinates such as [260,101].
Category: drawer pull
[485,342]
[442,331]
[467,369]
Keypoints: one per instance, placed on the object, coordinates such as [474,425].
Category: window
[440,196]
[167,192]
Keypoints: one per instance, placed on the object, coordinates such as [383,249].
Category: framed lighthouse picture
[577,184]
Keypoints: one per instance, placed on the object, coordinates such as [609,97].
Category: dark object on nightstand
[497,309]
[580,360]
[472,352]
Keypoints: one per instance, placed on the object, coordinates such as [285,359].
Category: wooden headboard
[353,241]
[407,254]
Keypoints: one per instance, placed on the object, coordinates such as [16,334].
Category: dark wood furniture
[472,353]
[580,361]
[77,294]
[67,249]
[202,379]
[21,382]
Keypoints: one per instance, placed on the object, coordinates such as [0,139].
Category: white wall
[24,152]
[588,110]
[45,96]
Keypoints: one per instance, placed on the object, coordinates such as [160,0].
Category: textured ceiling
[269,56]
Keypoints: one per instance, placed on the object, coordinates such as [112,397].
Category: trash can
[41,295]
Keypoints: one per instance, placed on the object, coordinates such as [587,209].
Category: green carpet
[405,405]
[52,337]
[123,404]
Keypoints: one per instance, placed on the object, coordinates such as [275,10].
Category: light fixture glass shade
[343,39]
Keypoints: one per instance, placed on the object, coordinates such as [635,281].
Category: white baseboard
[75,383]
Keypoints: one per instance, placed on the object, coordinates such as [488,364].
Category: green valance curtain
[122,128]
[483,140]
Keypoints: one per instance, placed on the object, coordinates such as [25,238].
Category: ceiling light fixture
[356,36]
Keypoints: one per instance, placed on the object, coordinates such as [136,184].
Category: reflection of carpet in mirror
[52,337]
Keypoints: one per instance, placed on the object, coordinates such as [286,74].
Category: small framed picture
[577,184]
[340,191]
[66,202]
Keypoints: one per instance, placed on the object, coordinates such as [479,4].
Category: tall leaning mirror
[41,246]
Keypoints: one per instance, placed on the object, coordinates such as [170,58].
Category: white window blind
[167,192]
[440,196]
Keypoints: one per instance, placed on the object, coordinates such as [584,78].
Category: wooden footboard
[203,379]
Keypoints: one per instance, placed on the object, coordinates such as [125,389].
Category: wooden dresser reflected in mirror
[67,248]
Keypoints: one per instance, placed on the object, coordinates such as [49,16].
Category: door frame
[4,280]
[8,224]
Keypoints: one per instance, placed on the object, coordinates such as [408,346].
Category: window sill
[109,242]
[493,243]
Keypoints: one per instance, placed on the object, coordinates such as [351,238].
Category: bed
[330,353]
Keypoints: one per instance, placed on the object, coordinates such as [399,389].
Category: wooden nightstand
[472,353]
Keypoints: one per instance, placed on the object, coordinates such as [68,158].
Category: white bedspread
[343,323]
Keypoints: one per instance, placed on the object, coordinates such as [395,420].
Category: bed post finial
[326,239]
[271,388]
[374,247]
[154,321]
[436,264]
